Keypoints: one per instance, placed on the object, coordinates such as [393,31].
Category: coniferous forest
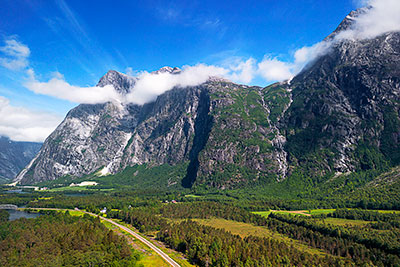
[59,239]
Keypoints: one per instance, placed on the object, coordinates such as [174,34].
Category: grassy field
[290,212]
[246,229]
[389,211]
[321,211]
[263,213]
[76,213]
[343,222]
[312,212]
[77,189]
[193,196]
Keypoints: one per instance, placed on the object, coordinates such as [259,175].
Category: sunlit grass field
[312,212]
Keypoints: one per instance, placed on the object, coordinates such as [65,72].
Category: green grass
[314,212]
[76,213]
[321,211]
[289,212]
[388,211]
[78,188]
[346,222]
[193,196]
[263,213]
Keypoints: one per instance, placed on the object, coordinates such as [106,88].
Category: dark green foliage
[277,99]
[4,215]
[365,215]
[390,139]
[379,247]
[370,157]
[59,239]
[144,176]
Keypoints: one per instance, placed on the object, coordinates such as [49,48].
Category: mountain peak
[348,22]
[121,82]
[167,69]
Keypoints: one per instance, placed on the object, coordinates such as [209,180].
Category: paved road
[136,235]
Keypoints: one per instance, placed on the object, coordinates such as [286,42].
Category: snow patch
[24,171]
[117,158]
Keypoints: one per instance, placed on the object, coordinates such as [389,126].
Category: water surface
[16,214]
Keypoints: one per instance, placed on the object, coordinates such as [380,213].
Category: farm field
[346,222]
[312,212]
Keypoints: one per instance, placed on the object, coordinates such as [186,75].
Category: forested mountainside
[339,115]
[14,156]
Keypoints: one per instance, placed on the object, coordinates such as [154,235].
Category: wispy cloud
[21,124]
[189,17]
[14,54]
[87,51]
[57,87]
[381,16]
[72,18]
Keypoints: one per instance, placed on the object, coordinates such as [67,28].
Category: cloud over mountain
[21,124]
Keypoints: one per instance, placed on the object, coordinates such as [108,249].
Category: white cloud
[151,85]
[21,124]
[15,54]
[146,89]
[381,17]
[57,87]
[272,69]
[242,71]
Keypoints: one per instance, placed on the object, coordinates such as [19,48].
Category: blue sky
[79,41]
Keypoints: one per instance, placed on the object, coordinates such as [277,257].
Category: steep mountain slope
[345,110]
[14,156]
[339,115]
[175,129]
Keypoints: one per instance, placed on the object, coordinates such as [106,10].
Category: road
[136,235]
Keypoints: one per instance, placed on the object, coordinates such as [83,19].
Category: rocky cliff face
[346,106]
[14,156]
[340,114]
[182,125]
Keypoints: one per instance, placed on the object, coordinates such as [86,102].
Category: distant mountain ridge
[14,156]
[339,115]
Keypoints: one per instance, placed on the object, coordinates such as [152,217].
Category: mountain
[14,156]
[345,110]
[339,115]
